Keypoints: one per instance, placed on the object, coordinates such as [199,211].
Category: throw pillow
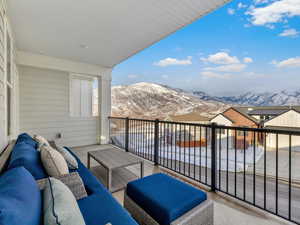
[41,141]
[60,205]
[73,182]
[71,160]
[53,162]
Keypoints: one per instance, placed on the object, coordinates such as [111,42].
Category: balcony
[251,181]
[250,172]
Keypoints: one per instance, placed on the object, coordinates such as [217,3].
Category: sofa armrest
[4,156]
[72,180]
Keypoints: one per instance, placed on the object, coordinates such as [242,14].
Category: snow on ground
[237,160]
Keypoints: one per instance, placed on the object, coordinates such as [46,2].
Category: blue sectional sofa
[98,208]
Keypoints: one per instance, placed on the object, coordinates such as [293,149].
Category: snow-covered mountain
[264,99]
[149,100]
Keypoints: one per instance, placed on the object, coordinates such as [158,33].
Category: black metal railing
[255,165]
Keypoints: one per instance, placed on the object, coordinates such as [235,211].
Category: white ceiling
[112,30]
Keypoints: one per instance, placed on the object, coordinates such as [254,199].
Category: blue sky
[251,45]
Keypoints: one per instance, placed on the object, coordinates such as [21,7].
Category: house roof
[193,116]
[270,112]
[244,112]
[100,32]
[281,114]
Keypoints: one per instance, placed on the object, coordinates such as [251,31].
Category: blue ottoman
[161,199]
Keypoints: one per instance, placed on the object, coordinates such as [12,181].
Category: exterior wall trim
[48,62]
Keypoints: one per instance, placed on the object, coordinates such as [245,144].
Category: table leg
[109,174]
[89,161]
[142,169]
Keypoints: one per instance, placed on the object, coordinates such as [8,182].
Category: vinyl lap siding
[44,108]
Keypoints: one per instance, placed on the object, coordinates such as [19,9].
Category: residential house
[272,117]
[192,117]
[186,137]
[287,120]
[238,117]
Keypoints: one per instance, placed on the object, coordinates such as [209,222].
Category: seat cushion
[60,206]
[27,139]
[20,198]
[102,208]
[164,198]
[25,155]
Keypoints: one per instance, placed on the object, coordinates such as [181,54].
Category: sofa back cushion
[27,139]
[25,155]
[20,198]
[60,205]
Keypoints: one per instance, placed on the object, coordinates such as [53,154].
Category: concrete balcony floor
[228,211]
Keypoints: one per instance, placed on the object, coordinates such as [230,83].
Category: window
[82,97]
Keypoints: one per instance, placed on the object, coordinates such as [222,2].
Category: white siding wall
[44,108]
[4,29]
[288,119]
[222,120]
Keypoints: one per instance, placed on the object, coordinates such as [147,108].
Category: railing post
[126,134]
[213,157]
[156,141]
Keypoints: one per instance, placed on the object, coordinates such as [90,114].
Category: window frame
[73,76]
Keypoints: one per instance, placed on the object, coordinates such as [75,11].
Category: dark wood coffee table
[113,167]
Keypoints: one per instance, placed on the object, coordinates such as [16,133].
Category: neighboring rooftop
[189,117]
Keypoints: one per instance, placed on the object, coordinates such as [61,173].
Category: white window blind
[81,95]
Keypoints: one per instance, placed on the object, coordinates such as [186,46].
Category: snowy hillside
[265,99]
[148,100]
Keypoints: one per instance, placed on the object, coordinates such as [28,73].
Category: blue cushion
[25,155]
[99,207]
[164,198]
[102,208]
[20,198]
[27,139]
[91,183]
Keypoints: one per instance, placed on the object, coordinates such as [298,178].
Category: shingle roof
[189,117]
[270,112]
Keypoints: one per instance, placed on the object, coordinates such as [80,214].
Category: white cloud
[289,33]
[173,61]
[241,5]
[258,2]
[132,76]
[248,60]
[221,58]
[274,12]
[291,62]
[235,68]
[230,11]
[210,74]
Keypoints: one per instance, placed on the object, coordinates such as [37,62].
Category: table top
[113,158]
